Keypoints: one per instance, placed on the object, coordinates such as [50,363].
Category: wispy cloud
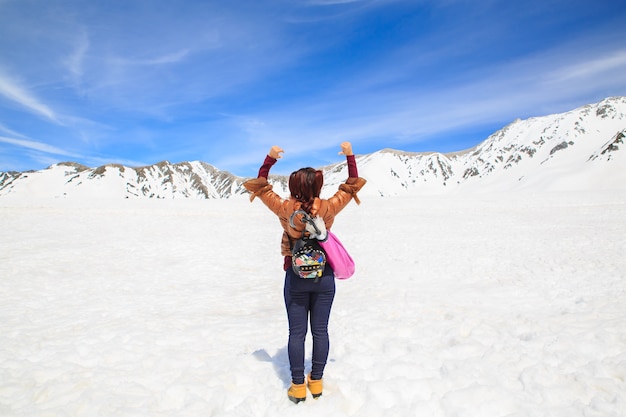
[49,154]
[38,146]
[165,59]
[409,113]
[75,61]
[593,68]
[11,132]
[221,82]
[16,94]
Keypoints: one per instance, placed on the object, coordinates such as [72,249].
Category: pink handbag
[337,256]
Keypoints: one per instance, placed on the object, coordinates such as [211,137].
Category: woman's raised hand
[346,149]
[276,152]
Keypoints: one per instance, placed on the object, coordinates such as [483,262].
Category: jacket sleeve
[259,187]
[353,171]
[264,171]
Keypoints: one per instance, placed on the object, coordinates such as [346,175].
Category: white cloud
[167,58]
[15,93]
[37,146]
[75,61]
[592,68]
[9,131]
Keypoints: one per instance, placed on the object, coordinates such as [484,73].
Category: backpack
[308,259]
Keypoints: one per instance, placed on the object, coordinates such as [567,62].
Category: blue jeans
[308,300]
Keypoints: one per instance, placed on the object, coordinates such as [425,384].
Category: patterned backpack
[308,259]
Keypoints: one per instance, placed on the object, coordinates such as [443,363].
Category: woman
[306,299]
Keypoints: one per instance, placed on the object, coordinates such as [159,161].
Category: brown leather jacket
[327,209]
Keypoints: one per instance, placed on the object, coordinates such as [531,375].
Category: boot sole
[296,400]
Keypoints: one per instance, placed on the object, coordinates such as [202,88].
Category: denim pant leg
[306,299]
[321,303]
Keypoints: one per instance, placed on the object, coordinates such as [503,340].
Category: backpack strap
[293,224]
[306,218]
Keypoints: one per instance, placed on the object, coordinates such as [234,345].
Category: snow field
[485,305]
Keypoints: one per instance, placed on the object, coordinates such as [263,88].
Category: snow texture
[491,282]
[496,304]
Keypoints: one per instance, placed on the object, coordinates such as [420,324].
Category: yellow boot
[297,392]
[315,386]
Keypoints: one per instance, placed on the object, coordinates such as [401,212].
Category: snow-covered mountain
[578,150]
[582,149]
[162,180]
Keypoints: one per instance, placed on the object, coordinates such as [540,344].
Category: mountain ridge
[578,149]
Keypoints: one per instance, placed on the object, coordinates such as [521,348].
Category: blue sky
[140,81]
